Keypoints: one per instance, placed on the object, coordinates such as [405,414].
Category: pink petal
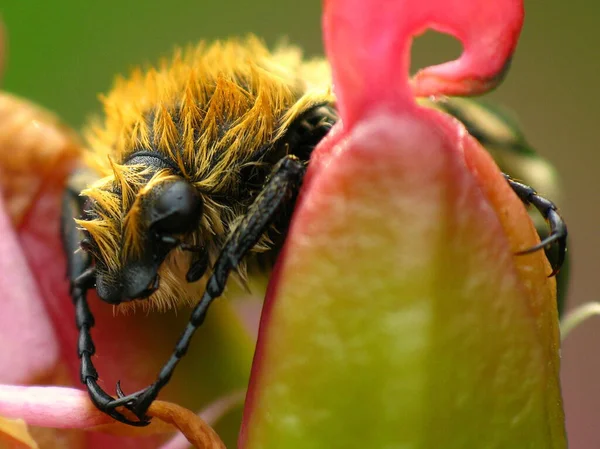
[488,30]
[58,407]
[28,344]
[375,71]
[414,174]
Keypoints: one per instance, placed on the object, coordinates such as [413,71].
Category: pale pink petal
[58,407]
[28,344]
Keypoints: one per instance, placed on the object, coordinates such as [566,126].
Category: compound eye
[175,208]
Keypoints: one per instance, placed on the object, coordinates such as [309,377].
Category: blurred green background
[63,53]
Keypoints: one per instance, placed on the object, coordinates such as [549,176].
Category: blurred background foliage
[63,53]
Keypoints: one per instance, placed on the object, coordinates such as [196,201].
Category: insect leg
[82,277]
[558,227]
[282,186]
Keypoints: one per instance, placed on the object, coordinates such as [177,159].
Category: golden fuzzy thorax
[209,110]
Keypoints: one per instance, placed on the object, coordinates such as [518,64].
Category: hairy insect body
[217,118]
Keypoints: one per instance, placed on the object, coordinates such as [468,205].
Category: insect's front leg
[82,278]
[281,188]
[558,228]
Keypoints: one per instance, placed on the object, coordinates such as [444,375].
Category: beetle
[197,165]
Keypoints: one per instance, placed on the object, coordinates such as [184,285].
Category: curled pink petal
[376,71]
[488,30]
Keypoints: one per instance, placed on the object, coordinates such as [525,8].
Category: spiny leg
[282,186]
[558,227]
[82,277]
